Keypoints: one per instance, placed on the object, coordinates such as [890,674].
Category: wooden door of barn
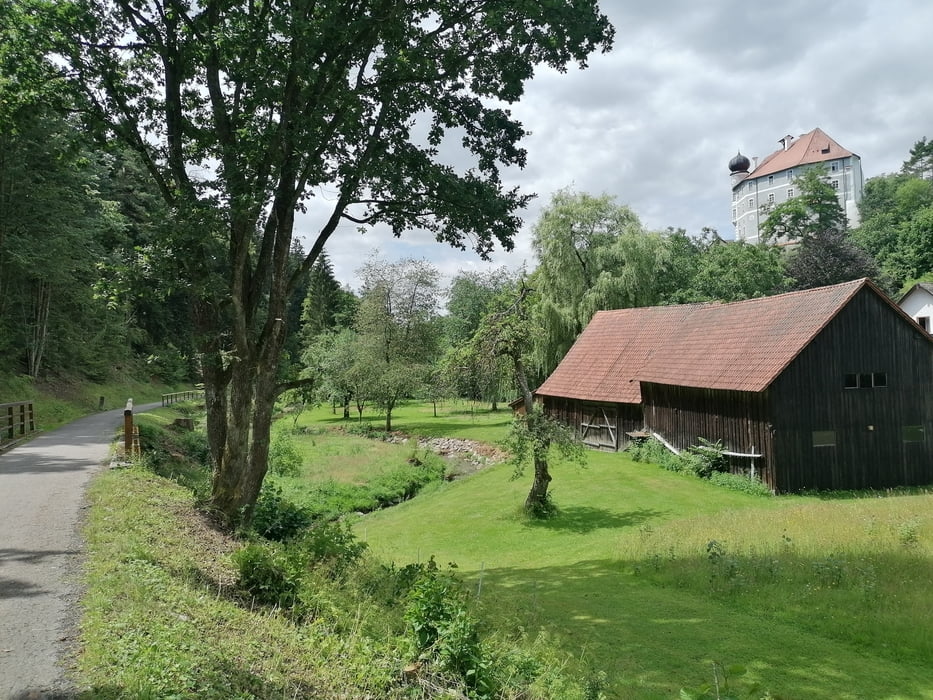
[599,427]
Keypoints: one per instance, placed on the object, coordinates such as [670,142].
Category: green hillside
[651,577]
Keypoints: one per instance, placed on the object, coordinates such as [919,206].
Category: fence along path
[20,421]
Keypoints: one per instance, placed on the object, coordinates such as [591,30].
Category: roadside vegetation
[61,400]
[645,582]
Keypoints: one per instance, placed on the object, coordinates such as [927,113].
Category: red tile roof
[742,346]
[812,147]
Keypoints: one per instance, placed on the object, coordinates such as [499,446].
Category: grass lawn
[650,576]
[458,419]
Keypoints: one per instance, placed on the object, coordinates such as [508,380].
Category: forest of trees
[121,251]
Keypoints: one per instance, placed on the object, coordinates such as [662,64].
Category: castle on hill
[760,185]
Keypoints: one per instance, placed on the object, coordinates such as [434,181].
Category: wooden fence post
[128,428]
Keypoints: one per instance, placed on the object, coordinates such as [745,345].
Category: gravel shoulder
[42,486]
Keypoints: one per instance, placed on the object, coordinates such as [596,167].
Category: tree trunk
[38,322]
[243,393]
[229,493]
[537,497]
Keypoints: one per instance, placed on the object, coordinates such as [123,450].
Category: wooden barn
[829,388]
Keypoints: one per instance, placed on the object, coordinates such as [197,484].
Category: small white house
[918,304]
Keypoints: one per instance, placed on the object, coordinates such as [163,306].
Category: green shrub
[154,441]
[738,482]
[704,459]
[328,500]
[650,450]
[284,459]
[193,443]
[275,517]
[441,629]
[268,574]
[366,430]
[333,544]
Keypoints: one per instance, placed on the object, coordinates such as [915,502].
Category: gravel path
[42,485]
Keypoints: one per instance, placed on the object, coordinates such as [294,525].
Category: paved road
[42,485]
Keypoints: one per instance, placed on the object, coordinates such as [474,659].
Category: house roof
[812,147]
[924,286]
[741,346]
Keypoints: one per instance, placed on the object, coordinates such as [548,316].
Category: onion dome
[739,164]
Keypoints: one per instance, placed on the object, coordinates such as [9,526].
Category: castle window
[790,193]
[924,322]
[834,167]
[835,184]
[771,198]
[751,202]
[770,180]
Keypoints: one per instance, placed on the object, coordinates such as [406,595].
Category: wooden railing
[169,399]
[20,419]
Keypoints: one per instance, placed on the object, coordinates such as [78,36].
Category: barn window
[913,433]
[866,380]
[824,438]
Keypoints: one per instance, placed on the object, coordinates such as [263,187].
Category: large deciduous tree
[246,112]
[395,325]
[813,211]
[815,220]
[735,270]
[897,219]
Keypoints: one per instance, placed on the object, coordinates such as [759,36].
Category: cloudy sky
[654,122]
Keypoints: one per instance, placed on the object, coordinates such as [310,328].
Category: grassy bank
[176,609]
[646,578]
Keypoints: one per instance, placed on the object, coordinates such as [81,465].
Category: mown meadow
[646,583]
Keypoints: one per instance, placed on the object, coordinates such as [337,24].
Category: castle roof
[809,148]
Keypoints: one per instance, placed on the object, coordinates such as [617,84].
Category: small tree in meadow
[504,333]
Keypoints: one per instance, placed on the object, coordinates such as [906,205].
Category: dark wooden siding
[601,425]
[682,415]
[868,424]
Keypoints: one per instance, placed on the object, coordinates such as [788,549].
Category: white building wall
[754,197]
[918,304]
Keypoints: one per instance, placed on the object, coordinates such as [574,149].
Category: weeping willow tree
[593,254]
